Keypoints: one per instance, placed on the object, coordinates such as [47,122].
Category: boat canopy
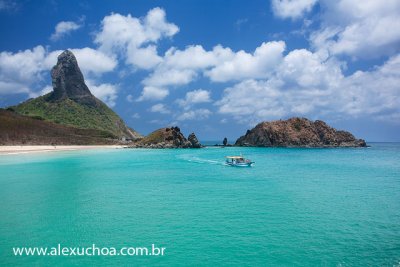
[234,157]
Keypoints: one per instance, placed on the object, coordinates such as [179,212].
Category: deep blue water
[295,207]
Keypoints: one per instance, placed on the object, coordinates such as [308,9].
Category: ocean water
[295,207]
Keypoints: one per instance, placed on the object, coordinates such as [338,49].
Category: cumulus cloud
[10,87]
[194,97]
[195,57]
[251,100]
[374,92]
[63,28]
[309,86]
[360,29]
[133,37]
[160,108]
[293,9]
[181,67]
[167,77]
[243,65]
[370,30]
[197,114]
[21,71]
[144,58]
[106,92]
[92,61]
[23,65]
[153,93]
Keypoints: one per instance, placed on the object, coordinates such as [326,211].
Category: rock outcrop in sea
[167,138]
[297,132]
[194,142]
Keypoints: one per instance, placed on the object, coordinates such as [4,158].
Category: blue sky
[215,67]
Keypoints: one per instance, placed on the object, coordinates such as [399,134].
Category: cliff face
[298,132]
[68,81]
[72,104]
[168,138]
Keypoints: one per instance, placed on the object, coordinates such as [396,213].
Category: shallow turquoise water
[295,207]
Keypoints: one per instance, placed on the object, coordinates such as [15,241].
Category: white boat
[238,161]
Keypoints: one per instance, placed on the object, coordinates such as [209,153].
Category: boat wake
[195,159]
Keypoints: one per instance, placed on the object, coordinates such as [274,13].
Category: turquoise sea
[295,207]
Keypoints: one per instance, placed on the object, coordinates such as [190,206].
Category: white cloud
[307,85]
[144,58]
[92,61]
[130,37]
[301,68]
[251,100]
[181,67]
[21,71]
[160,108]
[106,92]
[63,28]
[360,29]
[374,92]
[198,96]
[135,116]
[244,65]
[194,57]
[194,97]
[166,77]
[197,114]
[153,93]
[292,8]
[7,88]
[23,66]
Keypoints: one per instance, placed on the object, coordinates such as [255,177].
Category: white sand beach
[7,150]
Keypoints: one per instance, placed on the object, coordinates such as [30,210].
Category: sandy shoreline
[9,150]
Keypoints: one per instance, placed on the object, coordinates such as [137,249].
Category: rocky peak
[68,81]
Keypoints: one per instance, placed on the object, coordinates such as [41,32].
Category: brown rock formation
[168,138]
[68,81]
[298,132]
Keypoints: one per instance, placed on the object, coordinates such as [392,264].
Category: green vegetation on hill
[155,137]
[69,112]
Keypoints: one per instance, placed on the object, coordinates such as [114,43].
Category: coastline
[10,150]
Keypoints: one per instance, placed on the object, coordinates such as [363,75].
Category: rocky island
[297,132]
[167,138]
